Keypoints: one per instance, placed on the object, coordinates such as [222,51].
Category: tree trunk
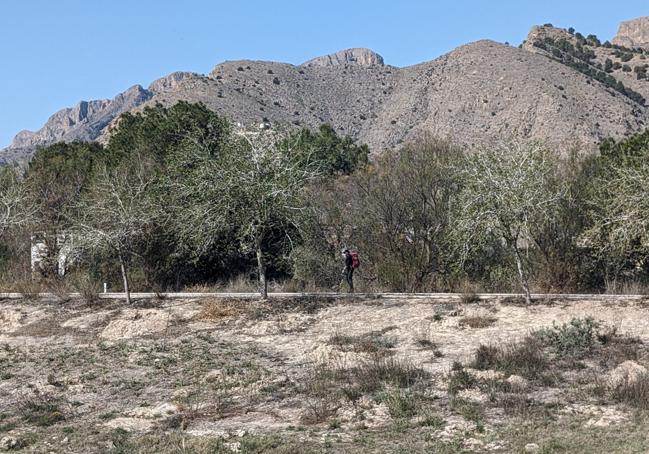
[122,266]
[522,275]
[261,268]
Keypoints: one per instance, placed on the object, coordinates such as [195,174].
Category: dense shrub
[576,337]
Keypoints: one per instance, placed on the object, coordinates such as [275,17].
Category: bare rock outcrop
[86,121]
[170,82]
[633,33]
[355,56]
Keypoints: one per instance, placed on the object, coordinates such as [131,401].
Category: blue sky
[55,53]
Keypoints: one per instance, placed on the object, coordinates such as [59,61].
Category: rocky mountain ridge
[356,56]
[633,33]
[559,86]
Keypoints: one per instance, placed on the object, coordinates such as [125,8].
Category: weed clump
[574,338]
[525,358]
[469,298]
[372,342]
[460,379]
[217,309]
[633,390]
[477,321]
[42,411]
[328,385]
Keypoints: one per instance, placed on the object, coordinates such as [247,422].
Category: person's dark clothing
[348,272]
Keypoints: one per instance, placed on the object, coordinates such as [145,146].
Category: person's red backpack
[356,261]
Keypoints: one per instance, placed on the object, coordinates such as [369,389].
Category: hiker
[351,263]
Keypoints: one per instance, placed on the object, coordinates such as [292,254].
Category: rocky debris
[8,443]
[626,373]
[356,56]
[473,444]
[371,414]
[136,323]
[454,425]
[517,383]
[633,33]
[599,416]
[10,320]
[487,375]
[164,410]
[131,424]
[143,419]
[608,418]
[473,395]
[212,376]
[234,446]
[532,447]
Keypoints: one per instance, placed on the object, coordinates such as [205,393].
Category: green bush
[525,358]
[574,338]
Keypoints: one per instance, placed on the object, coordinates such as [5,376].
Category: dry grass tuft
[29,288]
[372,342]
[469,298]
[477,321]
[42,410]
[87,287]
[218,309]
[633,391]
[525,358]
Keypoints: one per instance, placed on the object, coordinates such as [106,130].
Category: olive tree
[55,177]
[619,229]
[17,209]
[250,188]
[116,213]
[507,189]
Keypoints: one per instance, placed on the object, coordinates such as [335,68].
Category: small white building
[40,253]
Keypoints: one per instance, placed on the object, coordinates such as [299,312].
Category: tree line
[179,197]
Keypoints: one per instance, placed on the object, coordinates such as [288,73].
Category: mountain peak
[633,33]
[354,56]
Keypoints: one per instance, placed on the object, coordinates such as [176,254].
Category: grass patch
[217,309]
[459,379]
[633,390]
[42,411]
[374,374]
[469,298]
[477,321]
[328,385]
[525,358]
[372,342]
[401,403]
[471,411]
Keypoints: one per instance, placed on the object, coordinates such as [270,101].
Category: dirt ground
[317,375]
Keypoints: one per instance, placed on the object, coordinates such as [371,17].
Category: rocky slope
[590,56]
[633,33]
[478,93]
